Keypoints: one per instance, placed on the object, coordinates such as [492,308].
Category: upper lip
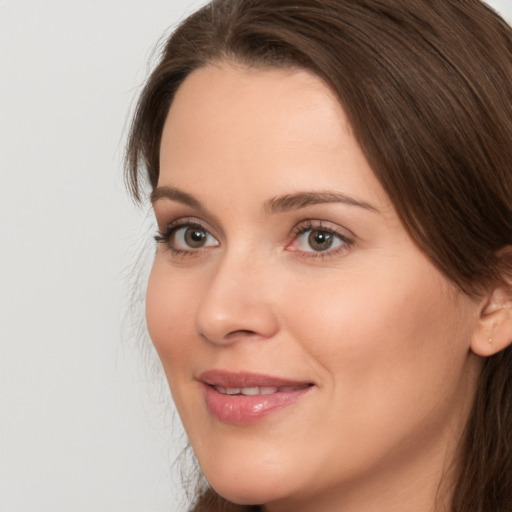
[228,379]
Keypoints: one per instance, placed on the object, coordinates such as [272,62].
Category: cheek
[169,314]
[384,343]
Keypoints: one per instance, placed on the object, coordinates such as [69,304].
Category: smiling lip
[245,398]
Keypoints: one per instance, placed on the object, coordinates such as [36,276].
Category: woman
[331,297]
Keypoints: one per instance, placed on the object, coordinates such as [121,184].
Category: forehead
[224,96]
[254,127]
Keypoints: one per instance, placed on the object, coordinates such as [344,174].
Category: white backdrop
[82,426]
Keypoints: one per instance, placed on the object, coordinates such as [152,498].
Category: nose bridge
[237,302]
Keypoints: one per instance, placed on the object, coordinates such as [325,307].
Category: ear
[494,329]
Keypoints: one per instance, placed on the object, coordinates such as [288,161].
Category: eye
[191,237]
[187,237]
[319,240]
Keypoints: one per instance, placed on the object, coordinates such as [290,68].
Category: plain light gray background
[83,427]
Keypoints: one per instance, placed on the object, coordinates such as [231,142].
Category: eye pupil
[195,237]
[320,240]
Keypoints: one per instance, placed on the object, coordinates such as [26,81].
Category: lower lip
[245,410]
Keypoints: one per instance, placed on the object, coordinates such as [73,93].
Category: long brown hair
[427,88]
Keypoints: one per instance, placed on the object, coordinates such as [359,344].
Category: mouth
[247,398]
[256,390]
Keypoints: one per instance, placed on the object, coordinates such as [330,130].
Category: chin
[250,489]
[248,495]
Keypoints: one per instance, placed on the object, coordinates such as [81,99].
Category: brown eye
[194,238]
[190,237]
[320,240]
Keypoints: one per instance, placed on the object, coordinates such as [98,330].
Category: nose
[237,303]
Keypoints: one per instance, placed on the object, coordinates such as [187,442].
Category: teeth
[264,390]
[250,391]
[268,390]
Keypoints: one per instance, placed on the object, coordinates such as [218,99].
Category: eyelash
[302,228]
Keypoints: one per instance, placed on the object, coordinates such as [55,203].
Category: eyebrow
[302,199]
[277,204]
[175,194]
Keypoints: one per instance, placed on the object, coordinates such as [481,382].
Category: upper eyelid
[169,209]
[304,224]
[185,221]
[181,222]
[325,225]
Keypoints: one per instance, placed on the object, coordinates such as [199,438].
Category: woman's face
[313,351]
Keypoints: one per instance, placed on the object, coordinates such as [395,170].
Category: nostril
[244,332]
[231,336]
